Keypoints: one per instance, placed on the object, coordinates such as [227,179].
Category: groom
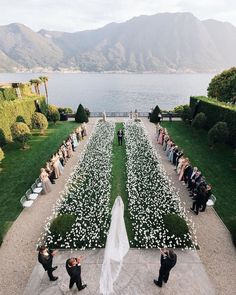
[120,136]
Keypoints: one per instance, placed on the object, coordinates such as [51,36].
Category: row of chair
[32,194]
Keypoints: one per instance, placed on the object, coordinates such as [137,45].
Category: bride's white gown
[117,245]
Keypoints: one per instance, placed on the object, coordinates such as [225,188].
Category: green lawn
[119,177]
[215,164]
[22,167]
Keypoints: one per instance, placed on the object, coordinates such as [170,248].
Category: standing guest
[50,171]
[198,200]
[206,197]
[168,261]
[69,148]
[73,268]
[45,257]
[120,136]
[46,183]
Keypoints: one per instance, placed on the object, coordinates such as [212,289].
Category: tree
[39,121]
[81,116]
[223,86]
[199,122]
[36,83]
[44,80]
[53,114]
[21,133]
[154,118]
[218,133]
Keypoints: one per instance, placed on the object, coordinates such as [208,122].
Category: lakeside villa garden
[154,215]
[81,217]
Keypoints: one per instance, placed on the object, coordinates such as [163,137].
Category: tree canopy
[223,86]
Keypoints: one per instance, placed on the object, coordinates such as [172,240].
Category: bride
[117,246]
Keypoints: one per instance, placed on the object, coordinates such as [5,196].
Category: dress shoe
[54,279]
[54,268]
[82,287]
[157,283]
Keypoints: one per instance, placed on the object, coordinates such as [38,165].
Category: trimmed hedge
[199,121]
[81,115]
[53,114]
[20,133]
[10,110]
[7,94]
[216,111]
[39,121]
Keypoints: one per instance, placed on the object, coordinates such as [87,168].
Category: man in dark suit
[168,261]
[73,268]
[120,136]
[45,257]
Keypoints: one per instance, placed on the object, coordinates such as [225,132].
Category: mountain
[165,42]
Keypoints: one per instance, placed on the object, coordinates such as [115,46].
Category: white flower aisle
[81,216]
[151,195]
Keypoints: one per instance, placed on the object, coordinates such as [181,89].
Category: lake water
[119,92]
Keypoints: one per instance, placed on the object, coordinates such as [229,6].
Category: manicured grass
[22,167]
[119,178]
[215,164]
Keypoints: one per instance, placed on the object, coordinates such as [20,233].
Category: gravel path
[217,251]
[18,255]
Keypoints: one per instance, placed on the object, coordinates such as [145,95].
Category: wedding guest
[73,267]
[168,261]
[198,200]
[45,257]
[50,171]
[46,183]
[206,197]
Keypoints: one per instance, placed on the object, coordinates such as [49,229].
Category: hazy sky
[78,15]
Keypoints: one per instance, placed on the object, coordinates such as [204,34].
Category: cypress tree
[154,115]
[81,116]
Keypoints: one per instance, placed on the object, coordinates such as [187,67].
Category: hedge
[7,94]
[10,110]
[216,111]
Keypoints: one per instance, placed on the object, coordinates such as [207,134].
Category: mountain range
[165,43]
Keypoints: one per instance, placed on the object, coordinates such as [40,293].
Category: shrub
[2,138]
[81,116]
[65,110]
[176,226]
[179,109]
[39,121]
[186,114]
[1,155]
[218,133]
[20,133]
[53,114]
[87,111]
[154,115]
[199,122]
[20,119]
[62,224]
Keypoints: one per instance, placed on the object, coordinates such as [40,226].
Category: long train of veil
[117,246]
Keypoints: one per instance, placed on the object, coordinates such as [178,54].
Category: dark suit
[166,265]
[120,137]
[46,262]
[75,275]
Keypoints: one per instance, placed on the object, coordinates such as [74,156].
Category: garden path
[17,253]
[217,251]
